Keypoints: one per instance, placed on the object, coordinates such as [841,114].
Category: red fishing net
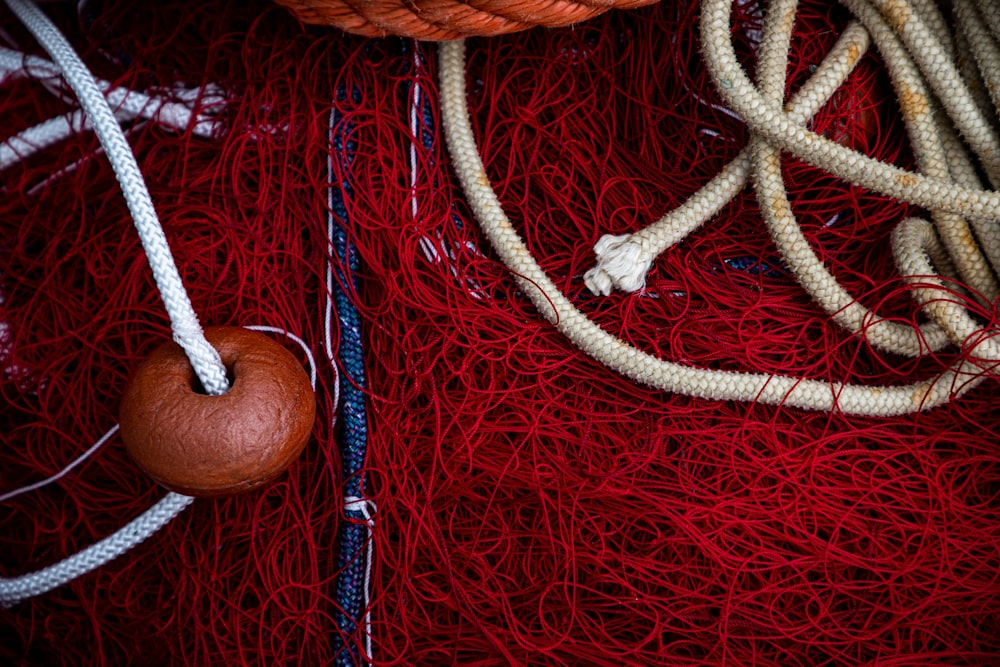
[533,507]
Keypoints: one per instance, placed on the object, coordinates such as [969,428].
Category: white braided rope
[936,23]
[804,393]
[20,588]
[970,72]
[963,171]
[37,138]
[128,103]
[16,589]
[187,331]
[914,242]
[184,322]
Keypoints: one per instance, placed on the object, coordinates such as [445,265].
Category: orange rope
[441,20]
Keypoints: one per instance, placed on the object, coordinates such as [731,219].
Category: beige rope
[943,77]
[962,171]
[788,236]
[618,355]
[737,90]
[784,228]
[989,11]
[930,13]
[925,137]
[623,261]
[914,241]
[971,74]
[983,49]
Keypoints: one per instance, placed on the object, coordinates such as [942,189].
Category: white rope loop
[184,322]
[175,110]
[18,589]
[944,79]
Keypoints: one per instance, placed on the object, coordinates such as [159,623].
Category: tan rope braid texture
[439,20]
[960,242]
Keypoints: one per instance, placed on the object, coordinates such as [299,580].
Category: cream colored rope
[618,355]
[936,23]
[925,130]
[623,261]
[971,266]
[785,230]
[737,90]
[991,14]
[982,46]
[914,243]
[970,72]
[943,77]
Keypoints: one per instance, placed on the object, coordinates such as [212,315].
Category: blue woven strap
[353,538]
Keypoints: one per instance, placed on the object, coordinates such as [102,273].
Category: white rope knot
[621,264]
[624,270]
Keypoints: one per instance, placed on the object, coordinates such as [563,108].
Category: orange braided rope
[441,20]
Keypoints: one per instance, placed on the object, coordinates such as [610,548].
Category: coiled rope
[947,185]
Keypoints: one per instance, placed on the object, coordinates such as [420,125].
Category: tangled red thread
[533,507]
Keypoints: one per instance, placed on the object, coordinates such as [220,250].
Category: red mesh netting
[533,507]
